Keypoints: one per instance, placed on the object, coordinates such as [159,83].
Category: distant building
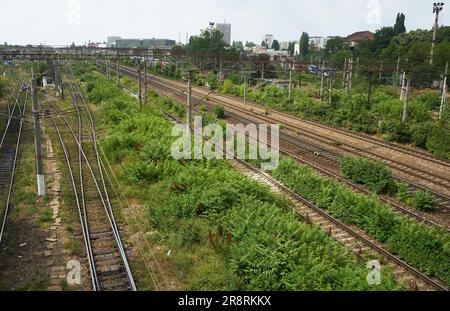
[225,29]
[357,37]
[144,43]
[284,45]
[47,78]
[268,40]
[276,55]
[316,42]
[97,45]
[258,49]
[110,41]
[297,48]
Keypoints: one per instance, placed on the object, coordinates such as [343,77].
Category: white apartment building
[268,39]
[284,45]
[225,29]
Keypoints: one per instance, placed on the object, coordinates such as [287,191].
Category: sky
[61,22]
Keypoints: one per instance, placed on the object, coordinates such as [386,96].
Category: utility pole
[117,72]
[380,72]
[245,89]
[405,106]
[350,75]
[55,69]
[402,89]
[344,75]
[396,80]
[369,95]
[37,138]
[330,80]
[437,8]
[321,79]
[145,81]
[189,97]
[262,72]
[357,68]
[290,82]
[139,88]
[444,93]
[60,82]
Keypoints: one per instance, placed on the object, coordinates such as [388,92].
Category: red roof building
[359,36]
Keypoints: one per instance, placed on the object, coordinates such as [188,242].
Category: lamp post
[211,25]
[437,8]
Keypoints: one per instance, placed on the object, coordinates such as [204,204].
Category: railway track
[437,176]
[107,261]
[9,151]
[331,156]
[353,238]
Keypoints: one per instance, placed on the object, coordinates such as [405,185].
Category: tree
[399,26]
[443,34]
[201,44]
[177,51]
[276,45]
[291,48]
[238,45]
[263,43]
[304,43]
[249,44]
[334,44]
[382,38]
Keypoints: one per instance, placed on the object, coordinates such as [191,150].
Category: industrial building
[144,43]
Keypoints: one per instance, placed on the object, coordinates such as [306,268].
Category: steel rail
[337,222]
[13,169]
[333,157]
[102,179]
[313,135]
[81,214]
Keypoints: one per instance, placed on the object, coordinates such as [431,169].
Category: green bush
[213,81]
[219,111]
[403,193]
[423,201]
[439,141]
[375,175]
[141,172]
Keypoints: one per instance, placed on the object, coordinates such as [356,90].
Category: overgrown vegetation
[423,246]
[224,231]
[352,111]
[375,175]
[379,179]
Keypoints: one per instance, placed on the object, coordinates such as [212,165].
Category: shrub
[141,172]
[375,175]
[396,131]
[219,111]
[403,193]
[420,133]
[423,201]
[213,81]
[89,87]
[439,141]
[155,150]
